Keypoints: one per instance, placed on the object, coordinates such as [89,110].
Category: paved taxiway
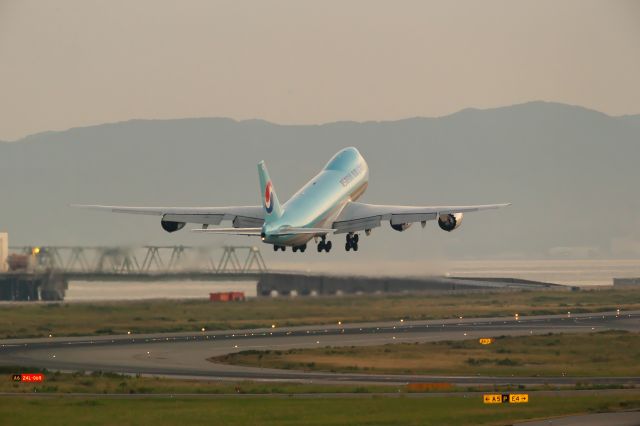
[185,354]
[627,418]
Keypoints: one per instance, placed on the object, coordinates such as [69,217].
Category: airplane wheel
[347,246]
[303,248]
[294,248]
[328,247]
[355,238]
[354,246]
[321,246]
[275,247]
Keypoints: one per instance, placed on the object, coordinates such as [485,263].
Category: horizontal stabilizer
[257,231]
[293,231]
[230,231]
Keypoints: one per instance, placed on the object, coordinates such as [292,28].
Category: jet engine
[171,226]
[449,222]
[400,226]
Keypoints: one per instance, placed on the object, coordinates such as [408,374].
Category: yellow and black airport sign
[486,341]
[506,398]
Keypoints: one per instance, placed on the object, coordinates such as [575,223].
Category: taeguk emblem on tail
[268,199]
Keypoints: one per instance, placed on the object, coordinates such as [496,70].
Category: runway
[185,354]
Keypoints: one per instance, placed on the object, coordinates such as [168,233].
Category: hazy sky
[72,63]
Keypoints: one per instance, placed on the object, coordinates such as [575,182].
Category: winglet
[272,206]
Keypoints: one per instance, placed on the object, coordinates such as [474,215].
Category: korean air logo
[268,198]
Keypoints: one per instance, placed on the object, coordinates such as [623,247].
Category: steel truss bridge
[148,262]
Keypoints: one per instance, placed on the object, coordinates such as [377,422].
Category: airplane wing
[359,216]
[242,216]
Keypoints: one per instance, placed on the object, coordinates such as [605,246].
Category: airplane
[326,205]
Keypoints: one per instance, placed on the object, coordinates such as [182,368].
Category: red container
[227,296]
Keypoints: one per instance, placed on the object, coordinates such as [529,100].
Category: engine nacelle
[171,226]
[449,222]
[400,226]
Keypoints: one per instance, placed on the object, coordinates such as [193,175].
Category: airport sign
[28,378]
[505,398]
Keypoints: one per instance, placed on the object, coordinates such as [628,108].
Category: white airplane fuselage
[320,201]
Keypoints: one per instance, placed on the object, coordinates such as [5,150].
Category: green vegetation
[609,353]
[67,319]
[457,410]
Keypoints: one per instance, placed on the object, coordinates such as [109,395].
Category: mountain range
[571,173]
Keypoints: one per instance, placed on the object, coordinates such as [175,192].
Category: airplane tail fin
[272,206]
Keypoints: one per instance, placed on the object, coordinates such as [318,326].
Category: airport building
[4,251]
[626,282]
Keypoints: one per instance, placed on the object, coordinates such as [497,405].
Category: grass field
[456,410]
[67,319]
[609,353]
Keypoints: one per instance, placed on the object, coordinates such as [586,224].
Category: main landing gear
[352,242]
[324,245]
[277,247]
